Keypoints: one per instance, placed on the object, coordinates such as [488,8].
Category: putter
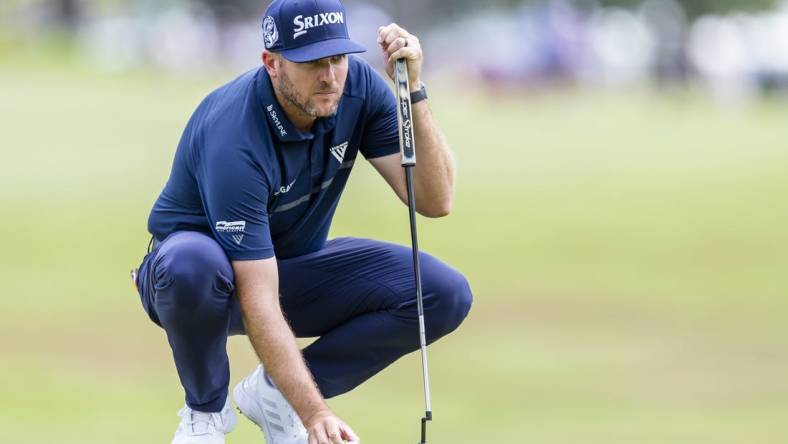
[407,146]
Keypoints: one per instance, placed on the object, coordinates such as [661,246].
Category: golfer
[240,233]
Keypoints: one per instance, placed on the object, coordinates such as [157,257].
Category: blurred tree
[696,8]
[228,10]
[67,13]
[417,12]
[430,11]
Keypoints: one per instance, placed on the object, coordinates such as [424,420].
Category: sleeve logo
[235,228]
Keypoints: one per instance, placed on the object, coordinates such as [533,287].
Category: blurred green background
[626,248]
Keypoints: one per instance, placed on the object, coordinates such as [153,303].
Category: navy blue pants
[357,295]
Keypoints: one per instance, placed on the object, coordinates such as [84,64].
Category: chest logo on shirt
[235,228]
[275,119]
[339,151]
[283,189]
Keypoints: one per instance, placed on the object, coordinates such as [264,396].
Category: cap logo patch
[270,34]
[303,24]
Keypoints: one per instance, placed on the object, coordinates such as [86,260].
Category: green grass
[626,252]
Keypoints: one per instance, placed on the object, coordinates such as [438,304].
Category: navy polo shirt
[246,176]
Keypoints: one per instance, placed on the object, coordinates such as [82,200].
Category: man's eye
[337,58]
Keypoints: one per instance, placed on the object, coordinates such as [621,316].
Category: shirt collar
[278,121]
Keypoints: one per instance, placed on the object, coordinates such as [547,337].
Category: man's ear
[271,62]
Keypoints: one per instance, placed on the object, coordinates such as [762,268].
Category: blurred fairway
[627,252]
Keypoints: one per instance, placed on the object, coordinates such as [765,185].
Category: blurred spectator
[668,23]
[532,43]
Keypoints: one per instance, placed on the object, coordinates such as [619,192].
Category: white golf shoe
[259,400]
[204,427]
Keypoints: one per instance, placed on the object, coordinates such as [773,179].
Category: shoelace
[199,423]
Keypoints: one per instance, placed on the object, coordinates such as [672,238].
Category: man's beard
[294,98]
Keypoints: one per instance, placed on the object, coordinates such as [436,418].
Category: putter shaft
[408,151]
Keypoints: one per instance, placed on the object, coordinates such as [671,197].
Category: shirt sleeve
[381,133]
[235,189]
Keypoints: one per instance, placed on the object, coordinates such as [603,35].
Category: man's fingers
[395,39]
[399,42]
[387,34]
[334,435]
[348,434]
[405,53]
[396,45]
[394,34]
[384,32]
[319,434]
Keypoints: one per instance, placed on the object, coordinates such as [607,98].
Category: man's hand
[257,284]
[434,173]
[397,43]
[326,428]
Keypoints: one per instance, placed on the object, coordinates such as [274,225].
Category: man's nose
[327,73]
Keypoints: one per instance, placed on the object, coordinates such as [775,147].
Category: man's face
[315,87]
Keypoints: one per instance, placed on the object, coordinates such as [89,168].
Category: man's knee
[452,302]
[192,274]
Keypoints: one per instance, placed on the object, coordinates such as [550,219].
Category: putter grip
[407,142]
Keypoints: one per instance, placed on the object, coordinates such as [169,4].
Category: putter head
[427,417]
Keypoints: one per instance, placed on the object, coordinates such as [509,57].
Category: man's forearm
[275,344]
[434,171]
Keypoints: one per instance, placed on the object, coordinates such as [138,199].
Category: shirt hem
[250,255]
[380,152]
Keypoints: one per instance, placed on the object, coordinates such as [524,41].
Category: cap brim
[322,49]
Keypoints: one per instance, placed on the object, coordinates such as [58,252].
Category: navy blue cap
[306,30]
